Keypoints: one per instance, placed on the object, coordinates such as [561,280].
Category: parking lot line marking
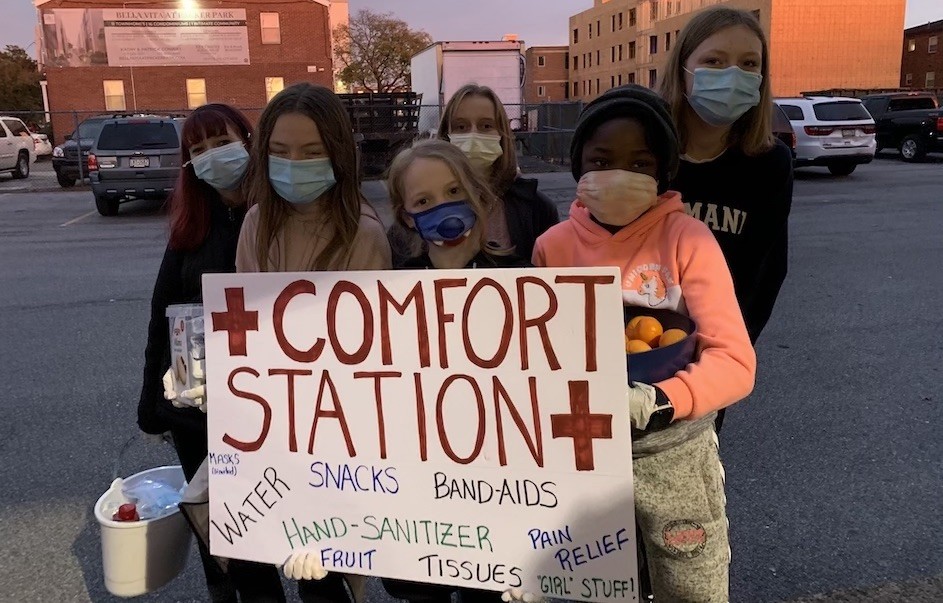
[79,219]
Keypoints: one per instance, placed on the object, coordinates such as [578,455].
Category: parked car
[782,129]
[42,145]
[134,158]
[831,131]
[17,150]
[911,122]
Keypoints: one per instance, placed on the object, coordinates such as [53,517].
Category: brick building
[247,51]
[814,45]
[546,74]
[922,64]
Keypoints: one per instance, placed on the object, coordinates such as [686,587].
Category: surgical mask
[300,181]
[446,222]
[222,167]
[721,96]
[482,150]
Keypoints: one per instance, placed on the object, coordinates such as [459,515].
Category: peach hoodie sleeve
[726,369]
[246,258]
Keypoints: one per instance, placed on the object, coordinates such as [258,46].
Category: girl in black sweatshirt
[206,213]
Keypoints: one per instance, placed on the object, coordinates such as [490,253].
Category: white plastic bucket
[139,557]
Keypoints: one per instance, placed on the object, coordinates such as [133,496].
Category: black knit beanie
[639,103]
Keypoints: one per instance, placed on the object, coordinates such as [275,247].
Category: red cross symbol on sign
[236,321]
[581,425]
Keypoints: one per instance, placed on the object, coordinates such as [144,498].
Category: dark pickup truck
[909,121]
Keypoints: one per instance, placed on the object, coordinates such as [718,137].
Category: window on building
[541,61]
[613,23]
[669,8]
[632,50]
[598,26]
[196,93]
[584,87]
[114,95]
[590,59]
[909,79]
[652,78]
[612,54]
[911,45]
[598,89]
[271,31]
[631,78]
[540,90]
[590,31]
[576,35]
[566,60]
[633,17]
[576,88]
[273,85]
[653,44]
[620,79]
[598,58]
[612,81]
[931,79]
[668,41]
[654,10]
[620,52]
[932,44]
[621,20]
[566,92]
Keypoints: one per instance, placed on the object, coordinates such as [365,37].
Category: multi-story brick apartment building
[113,55]
[922,63]
[547,74]
[814,45]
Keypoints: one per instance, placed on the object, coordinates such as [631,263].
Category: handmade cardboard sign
[461,427]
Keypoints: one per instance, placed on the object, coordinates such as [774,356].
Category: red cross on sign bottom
[582,426]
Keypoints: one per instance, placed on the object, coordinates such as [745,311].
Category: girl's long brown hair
[753,132]
[343,200]
[504,170]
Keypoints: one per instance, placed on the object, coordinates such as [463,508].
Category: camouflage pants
[680,508]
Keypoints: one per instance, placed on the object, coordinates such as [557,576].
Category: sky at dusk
[536,22]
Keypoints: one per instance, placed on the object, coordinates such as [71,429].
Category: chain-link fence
[383,124]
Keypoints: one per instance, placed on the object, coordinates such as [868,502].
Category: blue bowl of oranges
[658,343]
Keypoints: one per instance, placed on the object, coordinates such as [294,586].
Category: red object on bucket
[126,512]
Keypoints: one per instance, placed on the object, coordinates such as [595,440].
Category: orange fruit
[648,330]
[630,328]
[635,346]
[671,336]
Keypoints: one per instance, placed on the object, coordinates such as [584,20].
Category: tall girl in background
[206,213]
[475,121]
[308,214]
[734,175]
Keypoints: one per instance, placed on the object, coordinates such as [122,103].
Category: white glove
[644,405]
[617,197]
[519,594]
[304,565]
[191,398]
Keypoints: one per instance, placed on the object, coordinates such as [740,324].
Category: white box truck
[441,69]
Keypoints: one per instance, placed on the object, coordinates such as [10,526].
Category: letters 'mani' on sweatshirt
[669,260]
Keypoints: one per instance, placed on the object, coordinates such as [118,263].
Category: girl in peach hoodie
[624,153]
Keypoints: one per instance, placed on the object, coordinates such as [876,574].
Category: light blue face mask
[222,167]
[721,96]
[300,181]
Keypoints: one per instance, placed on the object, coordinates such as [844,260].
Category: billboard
[76,37]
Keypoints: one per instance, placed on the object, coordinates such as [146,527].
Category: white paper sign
[457,427]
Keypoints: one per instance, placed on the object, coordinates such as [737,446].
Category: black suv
[909,121]
[134,158]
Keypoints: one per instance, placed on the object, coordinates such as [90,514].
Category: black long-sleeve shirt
[746,202]
[179,281]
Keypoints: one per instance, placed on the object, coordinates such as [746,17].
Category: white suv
[17,147]
[831,131]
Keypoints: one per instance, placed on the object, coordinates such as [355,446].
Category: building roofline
[926,27]
[327,3]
